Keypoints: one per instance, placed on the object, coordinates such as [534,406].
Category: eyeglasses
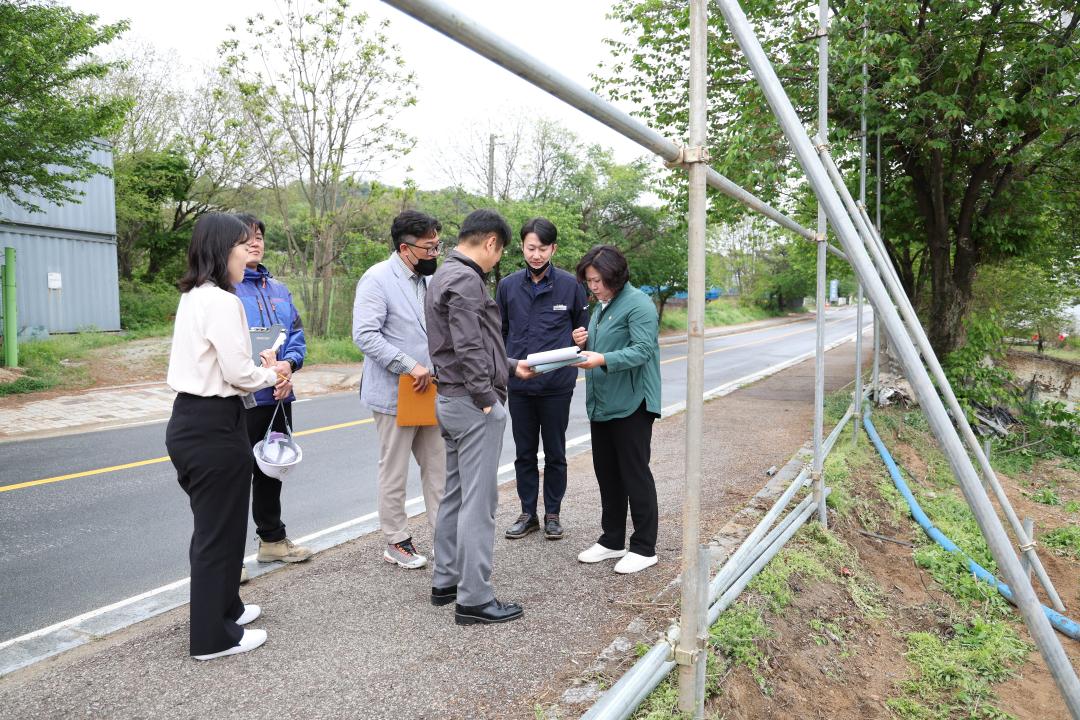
[433,250]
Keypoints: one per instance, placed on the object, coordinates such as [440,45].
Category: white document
[553,356]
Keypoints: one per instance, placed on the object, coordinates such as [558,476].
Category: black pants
[208,444]
[534,416]
[621,451]
[266,491]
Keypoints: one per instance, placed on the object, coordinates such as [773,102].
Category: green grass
[725,311]
[329,351]
[1046,496]
[1064,540]
[1070,352]
[952,676]
[59,361]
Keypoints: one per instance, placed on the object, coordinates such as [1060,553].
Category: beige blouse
[211,348]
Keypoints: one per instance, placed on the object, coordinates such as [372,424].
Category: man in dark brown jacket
[471,368]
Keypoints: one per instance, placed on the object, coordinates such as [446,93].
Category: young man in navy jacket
[541,306]
[268,302]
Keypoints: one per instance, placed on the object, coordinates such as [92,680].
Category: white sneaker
[633,563]
[251,640]
[598,553]
[250,613]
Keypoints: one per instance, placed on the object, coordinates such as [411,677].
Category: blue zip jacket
[267,301]
[541,318]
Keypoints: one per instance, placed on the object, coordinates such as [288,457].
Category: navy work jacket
[541,318]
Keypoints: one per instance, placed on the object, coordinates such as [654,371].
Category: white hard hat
[276,454]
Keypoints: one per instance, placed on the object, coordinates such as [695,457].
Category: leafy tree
[322,90]
[976,100]
[47,119]
[146,183]
[1026,297]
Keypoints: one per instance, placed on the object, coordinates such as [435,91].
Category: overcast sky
[456,86]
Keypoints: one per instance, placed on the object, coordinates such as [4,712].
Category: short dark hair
[212,239]
[483,222]
[411,224]
[609,262]
[252,221]
[544,229]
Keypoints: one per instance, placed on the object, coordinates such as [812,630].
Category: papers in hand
[549,360]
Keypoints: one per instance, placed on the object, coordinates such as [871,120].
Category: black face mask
[537,272]
[426,266]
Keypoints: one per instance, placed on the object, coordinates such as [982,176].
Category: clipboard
[263,339]
[415,409]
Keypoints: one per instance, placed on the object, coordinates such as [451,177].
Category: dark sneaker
[552,527]
[524,525]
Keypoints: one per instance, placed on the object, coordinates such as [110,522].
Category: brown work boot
[282,551]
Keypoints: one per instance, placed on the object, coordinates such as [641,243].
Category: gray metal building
[66,258]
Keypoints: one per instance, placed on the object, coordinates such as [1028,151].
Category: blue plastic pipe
[1060,623]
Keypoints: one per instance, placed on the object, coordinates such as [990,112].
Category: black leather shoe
[489,614]
[443,595]
[552,527]
[524,525]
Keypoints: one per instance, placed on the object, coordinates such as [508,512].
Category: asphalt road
[72,546]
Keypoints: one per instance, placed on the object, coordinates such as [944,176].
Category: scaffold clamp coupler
[688,155]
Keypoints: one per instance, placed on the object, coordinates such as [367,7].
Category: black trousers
[621,450]
[266,491]
[533,417]
[207,442]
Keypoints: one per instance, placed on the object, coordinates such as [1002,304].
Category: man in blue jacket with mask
[267,302]
[541,306]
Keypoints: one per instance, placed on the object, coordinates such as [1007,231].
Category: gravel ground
[350,636]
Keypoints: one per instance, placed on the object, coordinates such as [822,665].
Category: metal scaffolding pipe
[997,541]
[496,48]
[922,342]
[862,197]
[689,653]
[874,374]
[816,475]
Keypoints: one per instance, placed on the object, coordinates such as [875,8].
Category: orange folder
[415,408]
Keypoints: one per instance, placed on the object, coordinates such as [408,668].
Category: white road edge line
[417,504]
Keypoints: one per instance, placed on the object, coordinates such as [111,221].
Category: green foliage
[1065,540]
[952,677]
[144,306]
[1028,297]
[59,361]
[332,351]
[1046,496]
[725,311]
[737,635]
[49,119]
[774,580]
[972,100]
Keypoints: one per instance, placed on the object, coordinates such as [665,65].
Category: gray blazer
[387,321]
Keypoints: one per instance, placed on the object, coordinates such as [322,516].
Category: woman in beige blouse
[211,369]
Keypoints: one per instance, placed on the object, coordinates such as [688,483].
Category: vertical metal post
[491,166]
[689,653]
[819,349]
[998,542]
[1029,530]
[11,311]
[876,384]
[857,417]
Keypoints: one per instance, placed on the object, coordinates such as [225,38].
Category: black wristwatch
[292,364]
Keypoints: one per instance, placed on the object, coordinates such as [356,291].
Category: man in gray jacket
[390,329]
[472,370]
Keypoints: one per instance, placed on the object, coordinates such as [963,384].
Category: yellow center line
[154,461]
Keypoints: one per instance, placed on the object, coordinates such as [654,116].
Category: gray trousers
[465,530]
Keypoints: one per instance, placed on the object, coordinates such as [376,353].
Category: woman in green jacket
[622,398]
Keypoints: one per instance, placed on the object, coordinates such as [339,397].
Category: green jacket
[626,332]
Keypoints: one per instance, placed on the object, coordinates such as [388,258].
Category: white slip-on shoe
[598,553]
[251,640]
[633,563]
[250,613]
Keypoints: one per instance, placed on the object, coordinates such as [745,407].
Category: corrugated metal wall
[78,241]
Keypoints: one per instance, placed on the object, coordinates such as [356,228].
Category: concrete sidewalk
[350,636]
[109,407]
